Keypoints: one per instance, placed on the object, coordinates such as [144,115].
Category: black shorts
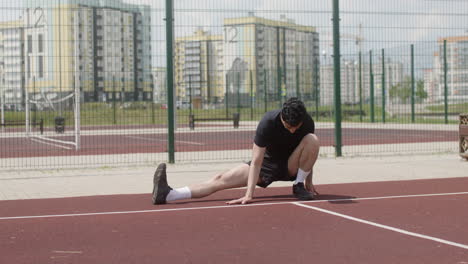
[273,170]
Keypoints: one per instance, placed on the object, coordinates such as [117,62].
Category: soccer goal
[60,118]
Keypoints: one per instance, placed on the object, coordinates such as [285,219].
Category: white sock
[301,175]
[179,194]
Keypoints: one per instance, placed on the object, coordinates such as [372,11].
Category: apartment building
[198,68]
[275,51]
[350,88]
[457,69]
[12,62]
[281,56]
[160,85]
[101,47]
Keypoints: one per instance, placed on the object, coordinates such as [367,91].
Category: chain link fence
[84,83]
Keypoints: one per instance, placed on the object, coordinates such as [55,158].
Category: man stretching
[285,149]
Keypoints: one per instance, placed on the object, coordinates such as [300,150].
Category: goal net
[52,120]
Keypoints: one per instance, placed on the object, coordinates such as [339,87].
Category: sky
[391,25]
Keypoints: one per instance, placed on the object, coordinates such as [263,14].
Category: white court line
[224,206]
[398,230]
[157,139]
[48,143]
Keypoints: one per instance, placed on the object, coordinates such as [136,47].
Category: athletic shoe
[301,193]
[160,187]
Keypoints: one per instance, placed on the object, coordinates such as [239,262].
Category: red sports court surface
[422,221]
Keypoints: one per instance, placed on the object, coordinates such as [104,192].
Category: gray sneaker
[301,193]
[160,187]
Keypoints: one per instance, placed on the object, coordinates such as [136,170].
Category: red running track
[421,221]
[126,142]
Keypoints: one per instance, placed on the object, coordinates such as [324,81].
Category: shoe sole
[156,178]
[305,198]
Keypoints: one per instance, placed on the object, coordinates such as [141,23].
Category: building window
[41,43]
[30,44]
[29,67]
[41,66]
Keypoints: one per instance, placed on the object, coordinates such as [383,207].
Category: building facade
[350,84]
[102,48]
[457,69]
[198,70]
[159,84]
[12,60]
[253,59]
[282,56]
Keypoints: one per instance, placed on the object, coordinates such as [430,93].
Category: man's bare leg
[305,155]
[233,178]
[302,160]
[162,192]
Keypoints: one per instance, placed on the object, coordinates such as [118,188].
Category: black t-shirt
[279,142]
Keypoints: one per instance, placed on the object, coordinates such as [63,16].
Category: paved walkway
[34,184]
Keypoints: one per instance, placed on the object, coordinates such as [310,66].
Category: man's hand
[242,200]
[310,187]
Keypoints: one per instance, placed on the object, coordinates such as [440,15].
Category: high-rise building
[430,85]
[254,58]
[282,55]
[159,84]
[198,68]
[350,88]
[12,62]
[101,47]
[457,69]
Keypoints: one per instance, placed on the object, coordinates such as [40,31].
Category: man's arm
[254,171]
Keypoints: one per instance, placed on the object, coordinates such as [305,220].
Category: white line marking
[223,206]
[389,197]
[47,143]
[398,230]
[56,140]
[67,252]
[157,139]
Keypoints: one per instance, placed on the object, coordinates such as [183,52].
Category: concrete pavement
[106,180]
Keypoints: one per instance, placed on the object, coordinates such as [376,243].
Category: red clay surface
[200,140]
[271,230]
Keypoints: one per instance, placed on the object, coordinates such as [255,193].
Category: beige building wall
[275,48]
[198,67]
[12,67]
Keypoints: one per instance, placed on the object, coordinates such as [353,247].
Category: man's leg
[301,163]
[233,178]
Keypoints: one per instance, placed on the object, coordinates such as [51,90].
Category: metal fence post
[114,108]
[337,73]
[383,86]
[372,116]
[226,96]
[170,79]
[412,85]
[279,87]
[251,96]
[298,93]
[278,66]
[265,89]
[360,86]
[238,93]
[445,83]
[190,95]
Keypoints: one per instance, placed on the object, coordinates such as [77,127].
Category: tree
[402,91]
[420,93]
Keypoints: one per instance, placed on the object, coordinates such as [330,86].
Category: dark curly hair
[293,111]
